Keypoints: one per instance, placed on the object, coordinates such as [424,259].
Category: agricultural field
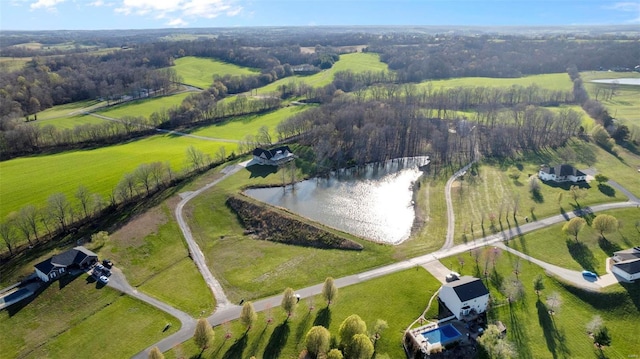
[31,180]
[143,107]
[356,62]
[8,64]
[239,127]
[273,337]
[559,81]
[69,109]
[590,250]
[199,72]
[75,318]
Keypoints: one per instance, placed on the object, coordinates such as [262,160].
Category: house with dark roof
[58,265]
[464,296]
[561,173]
[274,157]
[627,263]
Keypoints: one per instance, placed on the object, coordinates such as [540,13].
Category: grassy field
[356,62]
[559,81]
[68,122]
[9,64]
[153,256]
[371,300]
[143,107]
[625,103]
[237,128]
[76,319]
[33,179]
[589,252]
[199,72]
[535,332]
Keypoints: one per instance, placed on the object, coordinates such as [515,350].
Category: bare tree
[83,196]
[60,209]
[7,233]
[27,221]
[195,157]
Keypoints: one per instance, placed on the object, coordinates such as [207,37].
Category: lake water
[373,202]
[623,81]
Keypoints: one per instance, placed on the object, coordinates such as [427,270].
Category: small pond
[622,81]
[373,201]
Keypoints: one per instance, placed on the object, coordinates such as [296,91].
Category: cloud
[45,4]
[180,9]
[99,3]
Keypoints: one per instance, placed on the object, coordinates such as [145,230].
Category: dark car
[107,263]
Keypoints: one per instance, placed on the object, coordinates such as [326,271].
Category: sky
[153,14]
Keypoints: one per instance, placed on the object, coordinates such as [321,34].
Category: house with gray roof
[561,173]
[627,263]
[274,157]
[55,267]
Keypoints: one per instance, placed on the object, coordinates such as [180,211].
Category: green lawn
[69,122]
[237,128]
[68,109]
[199,72]
[625,103]
[33,179]
[144,107]
[151,252]
[398,298]
[589,252]
[356,62]
[535,332]
[559,81]
[81,321]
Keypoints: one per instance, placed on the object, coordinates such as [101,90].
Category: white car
[104,279]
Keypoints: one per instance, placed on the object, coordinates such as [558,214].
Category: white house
[274,157]
[56,266]
[561,173]
[465,296]
[627,263]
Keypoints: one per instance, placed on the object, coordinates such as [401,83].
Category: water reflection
[374,201]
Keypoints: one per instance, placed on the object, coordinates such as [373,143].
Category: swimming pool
[442,335]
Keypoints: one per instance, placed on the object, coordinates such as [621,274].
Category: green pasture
[143,107]
[590,251]
[151,252]
[557,81]
[587,122]
[199,72]
[273,337]
[489,191]
[68,109]
[624,105]
[68,122]
[238,127]
[9,64]
[31,180]
[356,62]
[538,334]
[75,318]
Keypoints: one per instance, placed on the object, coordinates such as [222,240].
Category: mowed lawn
[144,107]
[558,81]
[398,298]
[77,319]
[590,251]
[31,180]
[625,103]
[68,122]
[199,71]
[239,127]
[538,334]
[356,62]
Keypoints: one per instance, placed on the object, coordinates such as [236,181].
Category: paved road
[451,220]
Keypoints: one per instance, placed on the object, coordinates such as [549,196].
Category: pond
[373,201]
[622,81]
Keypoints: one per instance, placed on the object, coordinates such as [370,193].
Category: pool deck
[464,338]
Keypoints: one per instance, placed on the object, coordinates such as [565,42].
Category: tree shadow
[564,214]
[608,247]
[581,254]
[253,351]
[236,350]
[548,327]
[323,317]
[518,334]
[303,327]
[607,190]
[537,196]
[277,341]
[496,278]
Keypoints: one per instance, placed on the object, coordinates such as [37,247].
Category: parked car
[104,279]
[589,274]
[106,272]
[98,267]
[107,263]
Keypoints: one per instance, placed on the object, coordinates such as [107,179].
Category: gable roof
[627,254]
[46,266]
[631,267]
[75,256]
[467,288]
[270,153]
[563,170]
